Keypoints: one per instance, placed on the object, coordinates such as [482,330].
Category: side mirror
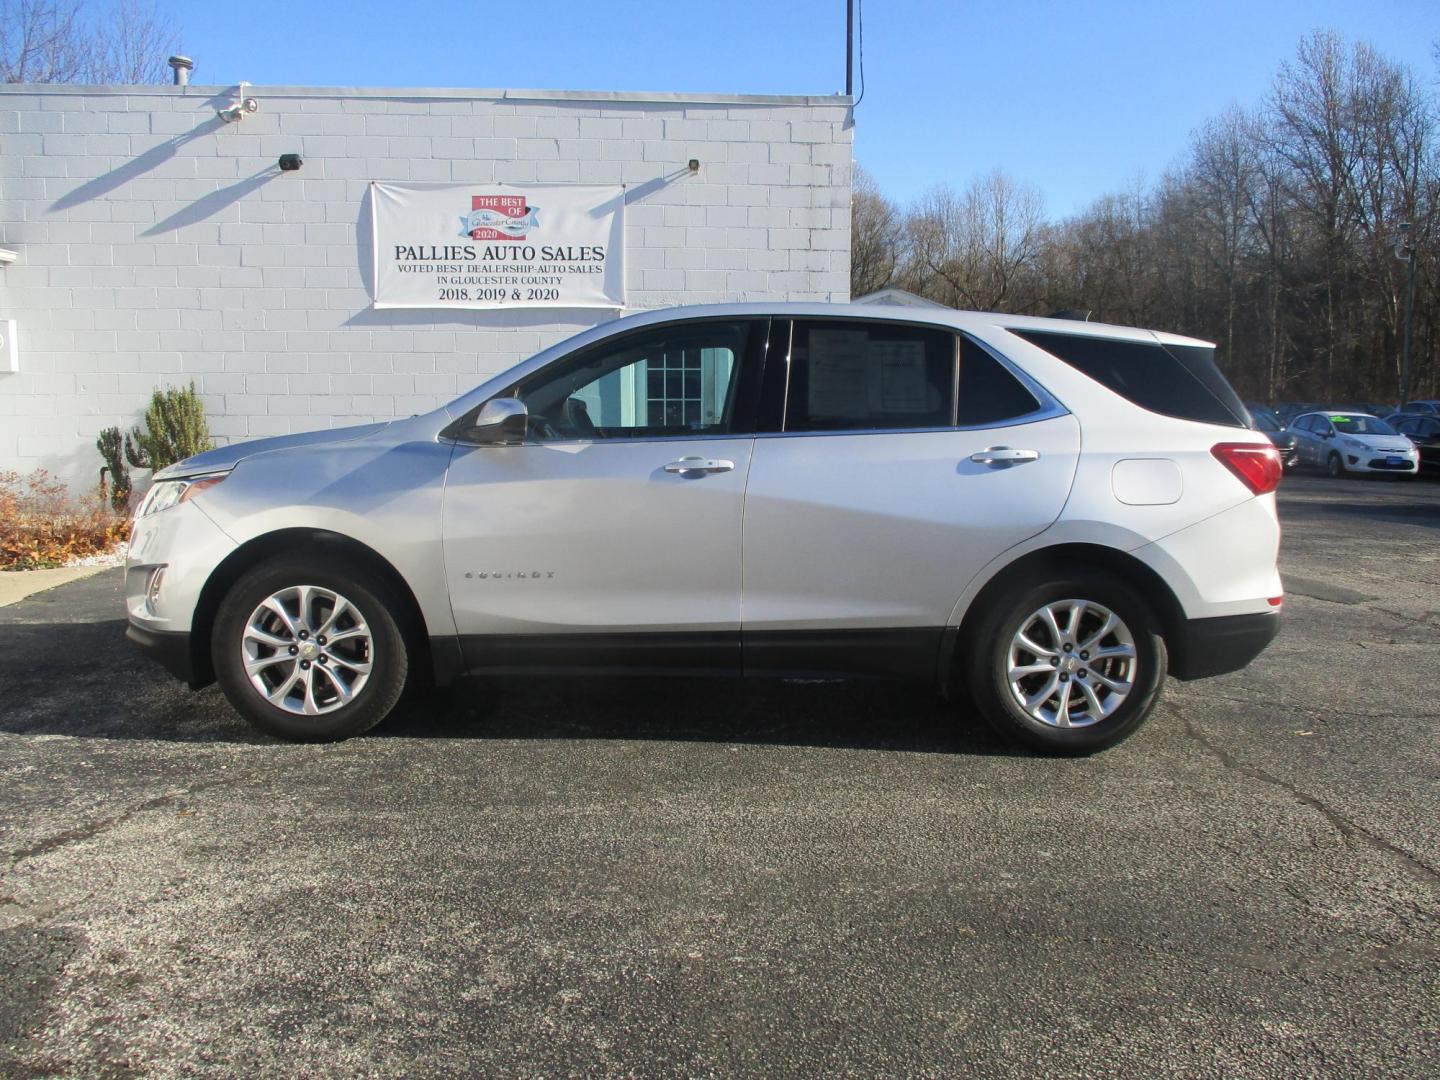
[500,422]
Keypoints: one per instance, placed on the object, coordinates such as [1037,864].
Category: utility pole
[1405,250]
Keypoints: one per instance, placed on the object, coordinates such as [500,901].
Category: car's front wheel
[309,651]
[1334,466]
[1070,666]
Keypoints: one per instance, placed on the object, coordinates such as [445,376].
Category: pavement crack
[95,828]
[1350,832]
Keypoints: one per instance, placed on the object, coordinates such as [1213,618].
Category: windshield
[1361,425]
[1263,421]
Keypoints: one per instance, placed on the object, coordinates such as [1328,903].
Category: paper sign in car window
[903,387]
[839,373]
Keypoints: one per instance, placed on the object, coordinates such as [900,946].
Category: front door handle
[1004,455]
[700,465]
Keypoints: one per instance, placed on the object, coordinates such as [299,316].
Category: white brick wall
[156,244]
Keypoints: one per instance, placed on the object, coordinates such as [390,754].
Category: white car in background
[1051,514]
[1349,442]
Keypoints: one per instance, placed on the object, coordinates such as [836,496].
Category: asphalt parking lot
[694,878]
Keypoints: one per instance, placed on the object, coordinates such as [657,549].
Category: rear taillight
[1257,466]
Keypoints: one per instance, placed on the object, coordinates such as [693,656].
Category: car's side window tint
[856,376]
[989,394]
[682,380]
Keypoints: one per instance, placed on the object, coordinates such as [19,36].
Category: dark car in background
[1284,440]
[1424,432]
[1259,409]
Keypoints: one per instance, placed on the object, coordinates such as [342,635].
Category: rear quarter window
[1173,380]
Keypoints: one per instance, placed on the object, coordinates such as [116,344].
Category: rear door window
[863,376]
[1173,380]
[857,376]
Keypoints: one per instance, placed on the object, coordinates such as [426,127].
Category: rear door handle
[699,464]
[1004,455]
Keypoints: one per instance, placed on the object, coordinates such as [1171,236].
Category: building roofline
[425,94]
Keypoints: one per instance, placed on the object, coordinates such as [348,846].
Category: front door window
[679,381]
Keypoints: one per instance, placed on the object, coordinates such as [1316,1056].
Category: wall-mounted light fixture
[242,108]
[694,165]
[290,162]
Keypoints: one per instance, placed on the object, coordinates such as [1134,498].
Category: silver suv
[1051,514]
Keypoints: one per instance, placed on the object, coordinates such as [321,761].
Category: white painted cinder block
[156,245]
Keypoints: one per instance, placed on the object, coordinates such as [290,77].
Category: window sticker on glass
[839,373]
[904,387]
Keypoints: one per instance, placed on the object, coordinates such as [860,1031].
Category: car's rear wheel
[1070,666]
[1334,466]
[309,652]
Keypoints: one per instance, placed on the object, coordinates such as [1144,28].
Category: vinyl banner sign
[497,245]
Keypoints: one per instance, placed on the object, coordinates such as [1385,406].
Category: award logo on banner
[506,252]
[498,217]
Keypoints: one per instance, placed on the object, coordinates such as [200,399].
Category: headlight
[168,493]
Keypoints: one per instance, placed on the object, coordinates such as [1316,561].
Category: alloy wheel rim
[307,650]
[1071,663]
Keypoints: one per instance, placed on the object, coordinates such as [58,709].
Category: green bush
[111,446]
[176,430]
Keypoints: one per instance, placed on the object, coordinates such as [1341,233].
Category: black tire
[385,651]
[985,661]
[1334,467]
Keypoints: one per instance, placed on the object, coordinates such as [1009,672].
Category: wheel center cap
[309,650]
[1070,664]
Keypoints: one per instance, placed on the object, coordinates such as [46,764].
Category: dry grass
[42,525]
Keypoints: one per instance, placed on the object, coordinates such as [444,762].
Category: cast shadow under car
[82,679]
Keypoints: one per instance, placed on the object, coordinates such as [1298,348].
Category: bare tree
[972,249]
[132,45]
[875,236]
[1222,174]
[66,41]
[41,41]
[1314,134]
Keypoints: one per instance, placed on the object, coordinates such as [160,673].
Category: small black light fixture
[290,162]
[694,164]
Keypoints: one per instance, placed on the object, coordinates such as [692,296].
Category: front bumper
[169,648]
[1364,461]
[1205,647]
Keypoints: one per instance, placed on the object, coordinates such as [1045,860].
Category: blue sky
[1079,99]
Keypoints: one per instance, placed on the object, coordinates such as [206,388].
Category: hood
[224,458]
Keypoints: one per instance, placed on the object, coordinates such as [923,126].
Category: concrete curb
[16,585]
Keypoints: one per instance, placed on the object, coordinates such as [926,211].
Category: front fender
[387,498]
